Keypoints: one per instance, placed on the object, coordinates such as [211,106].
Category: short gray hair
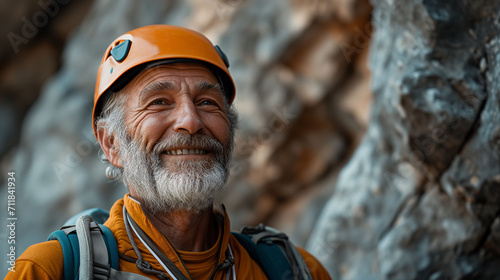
[112,118]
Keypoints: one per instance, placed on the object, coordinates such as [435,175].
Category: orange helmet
[135,50]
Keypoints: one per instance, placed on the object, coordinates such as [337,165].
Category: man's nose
[187,119]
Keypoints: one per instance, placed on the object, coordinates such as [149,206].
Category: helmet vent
[120,51]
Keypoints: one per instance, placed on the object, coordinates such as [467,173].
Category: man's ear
[110,146]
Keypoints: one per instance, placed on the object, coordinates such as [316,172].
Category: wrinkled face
[176,98]
[178,148]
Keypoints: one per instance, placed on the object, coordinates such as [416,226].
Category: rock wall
[418,194]
[33,34]
[303,94]
[420,197]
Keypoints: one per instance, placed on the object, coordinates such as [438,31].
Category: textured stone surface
[292,75]
[419,198]
[303,97]
[32,35]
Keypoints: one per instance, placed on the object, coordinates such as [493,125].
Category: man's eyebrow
[156,87]
[201,86]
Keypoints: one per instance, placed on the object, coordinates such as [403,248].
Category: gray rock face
[420,197]
[302,96]
[32,34]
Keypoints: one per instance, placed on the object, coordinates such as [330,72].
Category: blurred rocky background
[406,188]
[420,197]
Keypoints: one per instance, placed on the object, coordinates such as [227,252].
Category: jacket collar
[116,224]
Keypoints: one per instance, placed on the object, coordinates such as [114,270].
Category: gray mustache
[181,140]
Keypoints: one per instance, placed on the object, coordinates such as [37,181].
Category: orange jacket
[45,260]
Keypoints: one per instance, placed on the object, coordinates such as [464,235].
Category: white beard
[193,186]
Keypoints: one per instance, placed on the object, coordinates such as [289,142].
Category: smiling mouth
[187,152]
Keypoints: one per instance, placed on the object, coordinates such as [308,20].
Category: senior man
[163,117]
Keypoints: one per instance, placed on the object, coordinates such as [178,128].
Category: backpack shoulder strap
[71,252]
[94,244]
[268,257]
[274,252]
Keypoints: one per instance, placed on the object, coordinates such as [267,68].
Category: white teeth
[186,152]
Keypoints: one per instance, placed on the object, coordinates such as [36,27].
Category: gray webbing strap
[124,275]
[68,229]
[94,259]
[304,270]
[100,252]
[85,245]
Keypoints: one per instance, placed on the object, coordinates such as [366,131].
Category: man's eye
[158,102]
[208,102]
